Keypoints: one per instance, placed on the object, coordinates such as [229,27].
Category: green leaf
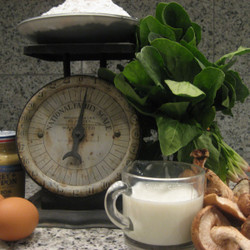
[227,66]
[152,36]
[158,96]
[179,61]
[197,31]
[176,16]
[106,74]
[173,134]
[209,80]
[185,89]
[159,12]
[160,16]
[175,110]
[197,54]
[231,92]
[183,154]
[151,24]
[221,168]
[225,98]
[128,91]
[137,75]
[189,36]
[153,63]
[241,89]
[205,116]
[224,95]
[144,110]
[240,51]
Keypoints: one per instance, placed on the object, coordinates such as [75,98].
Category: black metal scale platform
[71,212]
[81,52]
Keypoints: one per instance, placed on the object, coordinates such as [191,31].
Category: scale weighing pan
[78,28]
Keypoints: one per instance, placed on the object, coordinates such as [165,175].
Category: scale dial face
[76,135]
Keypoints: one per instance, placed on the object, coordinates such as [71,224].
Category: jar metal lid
[7,135]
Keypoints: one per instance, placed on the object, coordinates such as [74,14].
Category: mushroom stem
[200,156]
[213,183]
[223,234]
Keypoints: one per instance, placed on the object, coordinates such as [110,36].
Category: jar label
[12,181]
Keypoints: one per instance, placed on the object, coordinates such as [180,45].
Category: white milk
[161,216]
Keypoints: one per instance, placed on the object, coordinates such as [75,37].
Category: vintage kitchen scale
[77,133]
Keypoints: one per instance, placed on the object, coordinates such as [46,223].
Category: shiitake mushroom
[244,204]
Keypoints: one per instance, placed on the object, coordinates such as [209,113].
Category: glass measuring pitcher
[160,200]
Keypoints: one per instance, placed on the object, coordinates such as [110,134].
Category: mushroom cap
[244,204]
[245,228]
[200,156]
[229,237]
[217,186]
[203,222]
[200,153]
[241,187]
[225,205]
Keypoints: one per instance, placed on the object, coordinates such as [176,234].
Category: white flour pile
[87,6]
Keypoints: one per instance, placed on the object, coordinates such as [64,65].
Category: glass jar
[12,175]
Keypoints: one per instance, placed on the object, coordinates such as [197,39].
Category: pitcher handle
[118,219]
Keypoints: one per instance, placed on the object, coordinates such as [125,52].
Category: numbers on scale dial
[102,148]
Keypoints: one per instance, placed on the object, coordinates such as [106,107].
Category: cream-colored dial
[46,137]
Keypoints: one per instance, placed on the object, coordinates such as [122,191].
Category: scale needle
[78,133]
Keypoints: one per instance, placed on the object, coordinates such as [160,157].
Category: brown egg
[18,218]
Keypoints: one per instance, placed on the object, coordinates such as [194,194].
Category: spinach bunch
[171,81]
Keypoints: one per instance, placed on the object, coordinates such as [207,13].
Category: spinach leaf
[173,134]
[152,36]
[128,91]
[175,110]
[225,100]
[231,95]
[157,96]
[159,12]
[209,80]
[240,51]
[179,61]
[196,53]
[137,76]
[106,74]
[160,15]
[183,153]
[153,63]
[197,31]
[204,116]
[151,24]
[185,89]
[176,16]
[189,36]
[240,88]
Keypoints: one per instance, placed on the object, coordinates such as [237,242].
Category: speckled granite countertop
[53,238]
[58,238]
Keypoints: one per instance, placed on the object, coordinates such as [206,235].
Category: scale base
[68,212]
